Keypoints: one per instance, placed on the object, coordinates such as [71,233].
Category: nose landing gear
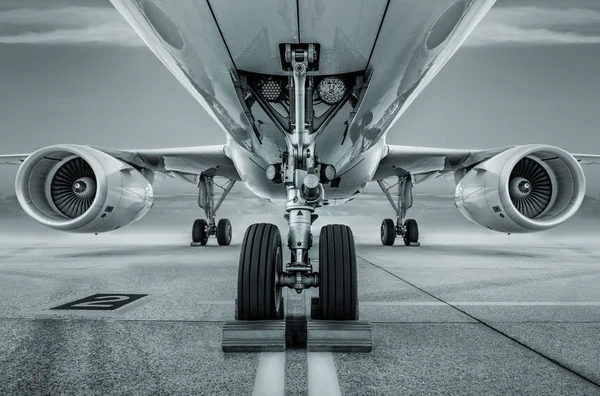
[262,275]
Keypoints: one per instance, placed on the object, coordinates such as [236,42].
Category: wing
[183,163]
[426,162]
[587,159]
[12,159]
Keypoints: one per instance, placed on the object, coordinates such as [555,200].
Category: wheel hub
[278,289]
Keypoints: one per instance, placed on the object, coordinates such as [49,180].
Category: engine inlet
[530,188]
[73,188]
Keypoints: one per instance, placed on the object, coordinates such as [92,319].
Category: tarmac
[469,312]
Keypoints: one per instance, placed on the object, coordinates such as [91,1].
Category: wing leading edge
[183,163]
[13,159]
[427,162]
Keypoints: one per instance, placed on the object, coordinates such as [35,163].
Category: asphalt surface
[469,312]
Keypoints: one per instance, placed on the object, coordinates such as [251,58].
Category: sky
[72,71]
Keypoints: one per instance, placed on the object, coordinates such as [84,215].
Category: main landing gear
[263,273]
[408,229]
[202,229]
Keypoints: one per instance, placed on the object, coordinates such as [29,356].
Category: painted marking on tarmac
[485,303]
[322,375]
[270,375]
[101,302]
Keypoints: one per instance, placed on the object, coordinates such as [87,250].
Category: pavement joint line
[270,375]
[484,303]
[491,321]
[90,318]
[113,319]
[322,375]
[555,361]
[444,304]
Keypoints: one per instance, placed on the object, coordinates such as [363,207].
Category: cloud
[537,26]
[68,25]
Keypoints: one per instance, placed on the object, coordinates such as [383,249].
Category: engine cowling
[524,189]
[80,189]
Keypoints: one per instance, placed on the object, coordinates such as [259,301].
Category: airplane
[306,92]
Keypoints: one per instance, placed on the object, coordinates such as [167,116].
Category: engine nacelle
[80,189]
[524,189]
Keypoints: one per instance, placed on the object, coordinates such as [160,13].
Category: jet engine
[80,189]
[524,189]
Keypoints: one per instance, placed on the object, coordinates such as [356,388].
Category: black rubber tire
[388,232]
[411,233]
[338,277]
[224,232]
[261,259]
[199,233]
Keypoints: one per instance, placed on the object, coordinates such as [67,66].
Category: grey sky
[74,72]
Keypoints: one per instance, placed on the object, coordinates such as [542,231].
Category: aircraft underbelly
[345,30]
[395,46]
[417,38]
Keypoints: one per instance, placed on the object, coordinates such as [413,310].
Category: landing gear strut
[203,229]
[408,229]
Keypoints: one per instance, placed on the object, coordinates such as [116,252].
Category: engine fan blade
[538,198]
[62,192]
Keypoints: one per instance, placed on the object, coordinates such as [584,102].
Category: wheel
[261,260]
[224,232]
[199,233]
[411,231]
[388,232]
[337,269]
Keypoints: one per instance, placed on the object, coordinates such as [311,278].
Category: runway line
[270,375]
[322,375]
[485,303]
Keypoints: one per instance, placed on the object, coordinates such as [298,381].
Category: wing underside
[183,163]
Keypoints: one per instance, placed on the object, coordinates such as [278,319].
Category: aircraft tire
[411,234]
[199,234]
[388,232]
[224,232]
[338,275]
[261,260]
